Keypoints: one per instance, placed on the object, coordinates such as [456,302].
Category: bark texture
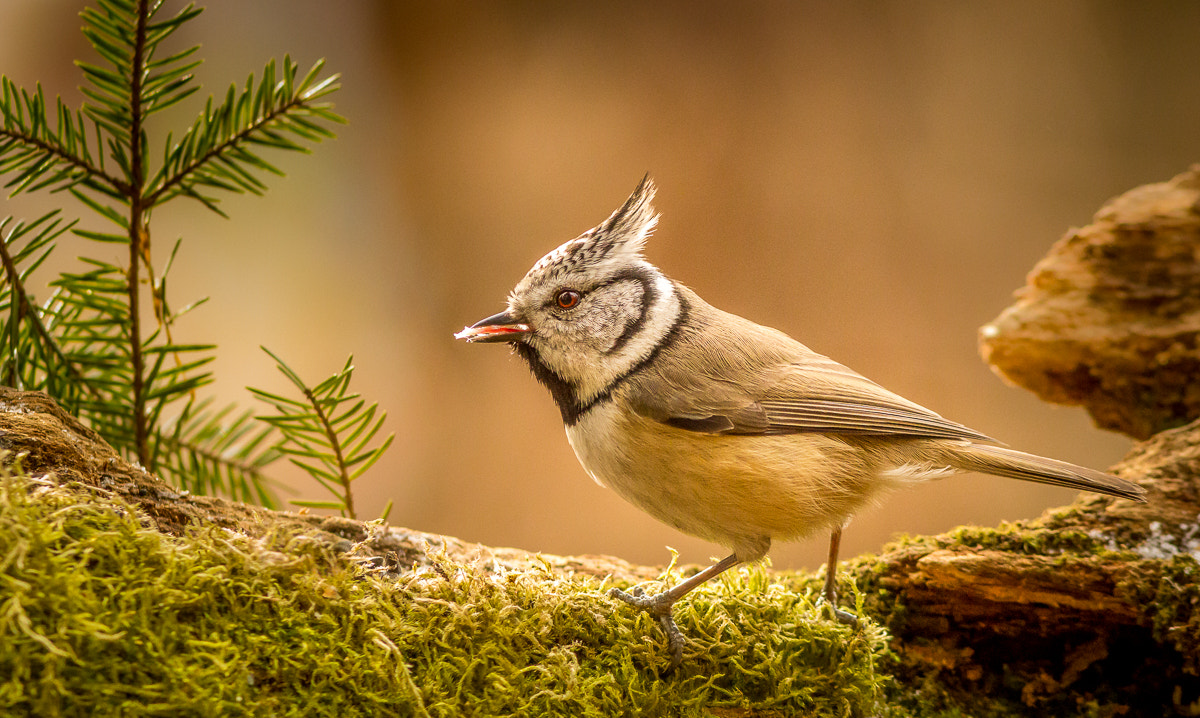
[1110,318]
[1098,601]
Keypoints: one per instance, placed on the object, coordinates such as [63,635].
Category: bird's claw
[659,606]
[636,596]
[845,618]
[841,615]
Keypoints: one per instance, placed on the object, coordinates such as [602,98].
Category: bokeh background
[874,178]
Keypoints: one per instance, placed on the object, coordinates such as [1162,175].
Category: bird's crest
[620,237]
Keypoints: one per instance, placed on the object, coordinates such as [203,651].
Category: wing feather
[837,417]
[756,380]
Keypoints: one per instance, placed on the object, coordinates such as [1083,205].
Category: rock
[1110,318]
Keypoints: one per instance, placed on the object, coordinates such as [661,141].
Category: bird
[722,428]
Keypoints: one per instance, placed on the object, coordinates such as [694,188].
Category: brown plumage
[720,427]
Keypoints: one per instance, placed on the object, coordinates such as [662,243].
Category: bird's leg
[829,593]
[660,604]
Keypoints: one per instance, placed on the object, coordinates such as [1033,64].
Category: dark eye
[568,298]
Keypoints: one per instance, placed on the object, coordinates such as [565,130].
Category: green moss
[1026,538]
[100,614]
[1169,598]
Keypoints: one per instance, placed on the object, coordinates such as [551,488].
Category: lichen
[102,614]
[1164,543]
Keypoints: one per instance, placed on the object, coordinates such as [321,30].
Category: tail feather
[1013,464]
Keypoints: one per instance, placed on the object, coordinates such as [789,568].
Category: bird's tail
[1001,461]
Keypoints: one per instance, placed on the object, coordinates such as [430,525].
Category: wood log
[1110,318]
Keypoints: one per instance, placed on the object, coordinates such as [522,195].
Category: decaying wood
[1110,318]
[1086,574]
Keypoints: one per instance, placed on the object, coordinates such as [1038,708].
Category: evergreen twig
[90,345]
[327,433]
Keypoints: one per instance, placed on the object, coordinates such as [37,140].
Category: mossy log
[1094,604]
[120,595]
[1089,610]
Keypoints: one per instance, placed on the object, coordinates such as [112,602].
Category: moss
[1170,601]
[1063,531]
[101,614]
[1141,667]
[1028,538]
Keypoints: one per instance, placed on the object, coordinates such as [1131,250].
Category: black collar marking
[563,392]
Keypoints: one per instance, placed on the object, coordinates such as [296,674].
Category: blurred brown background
[873,178]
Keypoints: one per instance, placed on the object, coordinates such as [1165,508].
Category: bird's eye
[568,298]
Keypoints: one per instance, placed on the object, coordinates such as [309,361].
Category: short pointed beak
[500,327]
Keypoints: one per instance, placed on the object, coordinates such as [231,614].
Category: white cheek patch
[631,343]
[659,318]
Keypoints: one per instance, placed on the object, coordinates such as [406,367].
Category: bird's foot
[844,617]
[841,615]
[658,605]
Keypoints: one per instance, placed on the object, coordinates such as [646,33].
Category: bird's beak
[496,328]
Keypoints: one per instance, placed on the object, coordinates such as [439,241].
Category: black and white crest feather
[618,240]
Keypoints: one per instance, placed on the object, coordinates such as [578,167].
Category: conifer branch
[89,345]
[202,446]
[214,155]
[27,312]
[327,433]
[139,237]
[19,144]
[225,164]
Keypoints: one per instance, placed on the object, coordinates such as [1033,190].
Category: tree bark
[1110,318]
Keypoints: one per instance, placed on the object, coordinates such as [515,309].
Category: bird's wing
[818,394]
[809,393]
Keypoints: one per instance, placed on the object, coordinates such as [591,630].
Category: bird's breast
[727,489]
